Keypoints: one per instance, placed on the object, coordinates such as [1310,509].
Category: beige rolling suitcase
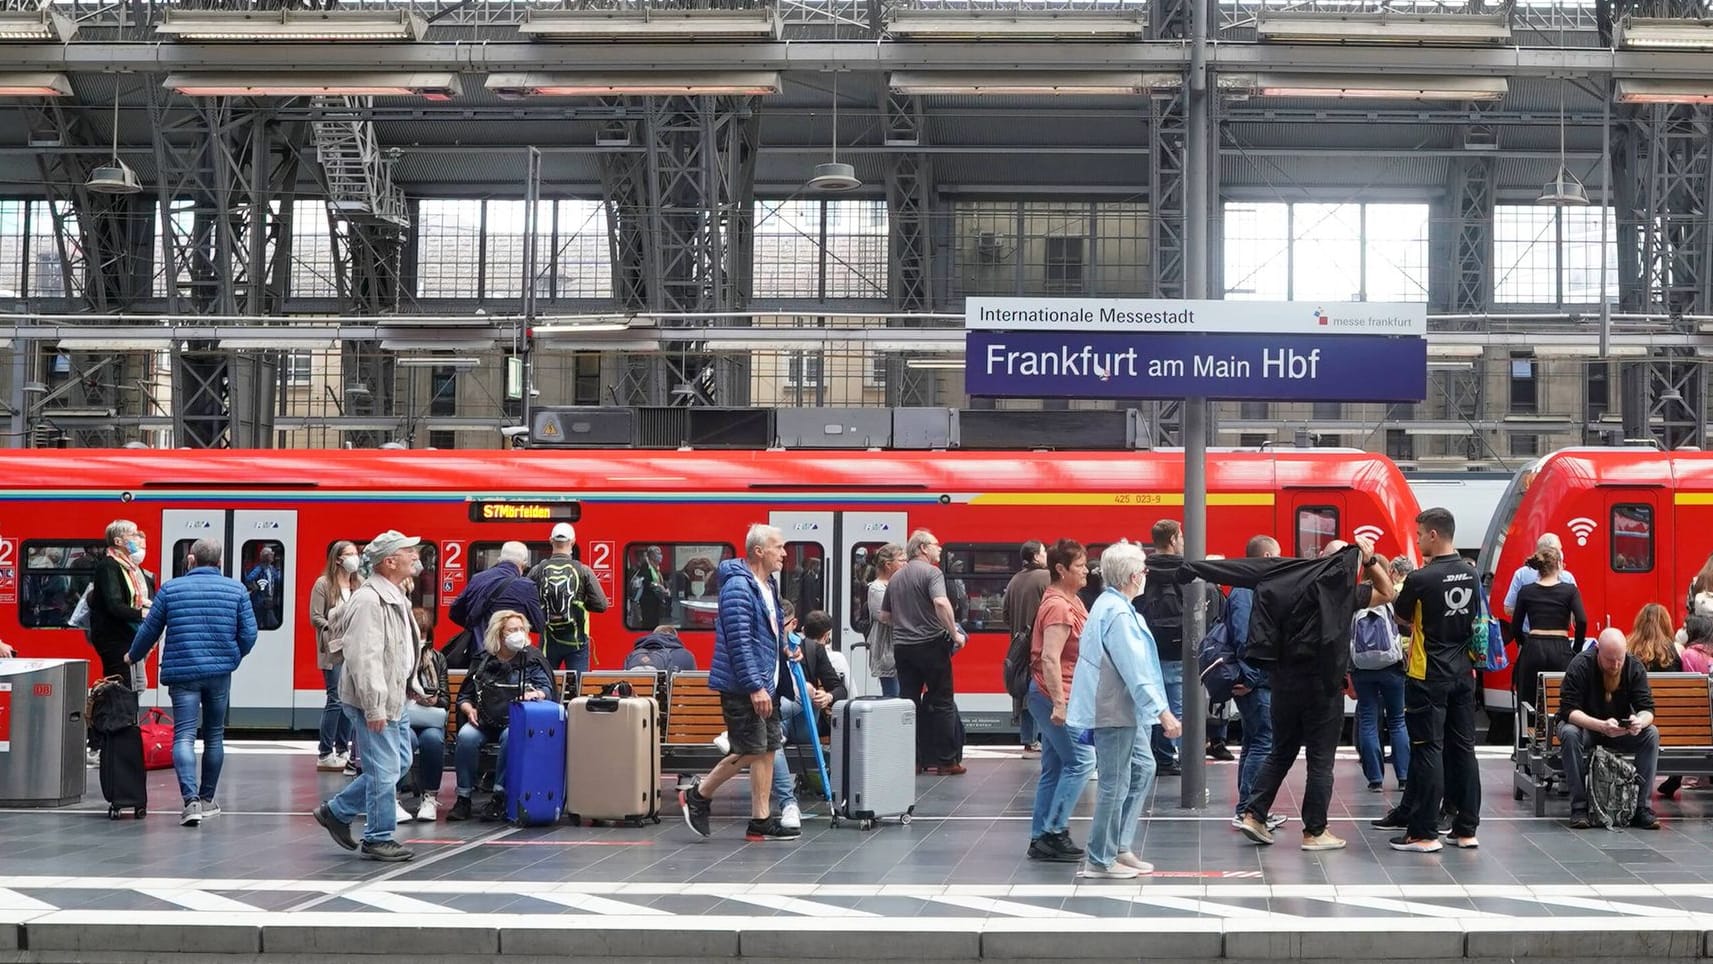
[612,759]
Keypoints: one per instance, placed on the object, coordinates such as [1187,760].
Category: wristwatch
[1371,561]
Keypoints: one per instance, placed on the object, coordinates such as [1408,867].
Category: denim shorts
[750,734]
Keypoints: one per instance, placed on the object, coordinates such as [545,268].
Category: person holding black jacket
[1301,627]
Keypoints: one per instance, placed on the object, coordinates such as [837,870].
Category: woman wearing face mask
[121,596]
[509,668]
[426,705]
[325,597]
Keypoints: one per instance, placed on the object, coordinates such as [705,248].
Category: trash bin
[42,731]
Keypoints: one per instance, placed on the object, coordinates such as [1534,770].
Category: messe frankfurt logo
[1320,316]
[1325,319]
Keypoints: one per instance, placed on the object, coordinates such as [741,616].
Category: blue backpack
[1216,656]
[1374,639]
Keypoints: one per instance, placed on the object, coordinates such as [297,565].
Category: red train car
[1630,522]
[834,508]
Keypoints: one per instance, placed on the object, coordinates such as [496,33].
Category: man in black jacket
[1605,701]
[1162,605]
[1301,625]
[826,687]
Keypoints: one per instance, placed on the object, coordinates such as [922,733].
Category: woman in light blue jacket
[1117,696]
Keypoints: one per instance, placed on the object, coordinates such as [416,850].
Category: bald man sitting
[1605,701]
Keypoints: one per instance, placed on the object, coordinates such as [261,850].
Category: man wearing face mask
[377,636]
[121,596]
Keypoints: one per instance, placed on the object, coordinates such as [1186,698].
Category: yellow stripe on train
[1117,498]
[1694,498]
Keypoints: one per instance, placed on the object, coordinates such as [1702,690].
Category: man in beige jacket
[377,638]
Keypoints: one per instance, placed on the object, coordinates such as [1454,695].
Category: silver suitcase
[874,760]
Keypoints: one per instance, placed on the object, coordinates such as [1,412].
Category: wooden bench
[1683,714]
[693,719]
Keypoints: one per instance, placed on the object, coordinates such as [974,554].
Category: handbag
[112,705]
[458,650]
[79,618]
[157,739]
[1487,642]
[494,703]
[422,717]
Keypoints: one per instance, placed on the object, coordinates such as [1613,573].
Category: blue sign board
[1283,367]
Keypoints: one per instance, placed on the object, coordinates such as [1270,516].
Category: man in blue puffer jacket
[210,628]
[745,671]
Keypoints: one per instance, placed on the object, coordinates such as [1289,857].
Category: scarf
[133,576]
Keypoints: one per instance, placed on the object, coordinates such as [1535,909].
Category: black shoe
[1579,821]
[1393,820]
[1040,849]
[338,830]
[770,829]
[387,851]
[1374,786]
[1403,785]
[1169,769]
[495,811]
[1063,843]
[696,809]
[1644,820]
[1219,751]
[460,810]
[1670,786]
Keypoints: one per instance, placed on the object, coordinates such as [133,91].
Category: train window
[264,564]
[804,578]
[180,552]
[1632,537]
[976,576]
[672,582]
[483,555]
[1317,527]
[862,572]
[56,572]
[423,593]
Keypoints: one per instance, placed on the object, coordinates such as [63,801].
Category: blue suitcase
[535,762]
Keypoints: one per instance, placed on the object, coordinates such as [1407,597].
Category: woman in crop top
[1552,609]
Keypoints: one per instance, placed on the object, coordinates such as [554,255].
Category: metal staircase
[359,177]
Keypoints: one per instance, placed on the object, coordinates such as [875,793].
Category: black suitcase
[124,782]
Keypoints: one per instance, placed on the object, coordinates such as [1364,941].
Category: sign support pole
[1198,158]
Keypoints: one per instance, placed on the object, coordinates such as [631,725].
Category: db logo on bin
[43,689]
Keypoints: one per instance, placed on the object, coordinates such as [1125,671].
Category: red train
[833,507]
[1628,518]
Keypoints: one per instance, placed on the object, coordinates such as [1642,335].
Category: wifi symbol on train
[1582,527]
[1371,533]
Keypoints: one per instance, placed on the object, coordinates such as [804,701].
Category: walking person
[337,583]
[1117,697]
[1066,763]
[882,663]
[1380,692]
[379,647]
[210,627]
[925,635]
[748,637]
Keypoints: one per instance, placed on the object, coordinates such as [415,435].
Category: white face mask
[415,568]
[517,642]
[348,563]
[138,555]
[696,586]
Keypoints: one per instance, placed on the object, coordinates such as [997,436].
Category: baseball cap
[563,533]
[388,543]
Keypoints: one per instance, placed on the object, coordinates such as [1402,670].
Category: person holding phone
[1605,701]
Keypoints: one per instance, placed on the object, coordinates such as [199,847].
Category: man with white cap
[377,639]
[569,593]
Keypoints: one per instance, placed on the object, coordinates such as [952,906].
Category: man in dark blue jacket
[1254,693]
[210,628]
[747,637]
[500,587]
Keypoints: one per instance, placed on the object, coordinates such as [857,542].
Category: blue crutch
[809,713]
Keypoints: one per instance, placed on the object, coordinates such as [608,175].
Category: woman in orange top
[1065,764]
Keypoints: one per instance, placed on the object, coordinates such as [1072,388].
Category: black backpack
[1017,665]
[1162,605]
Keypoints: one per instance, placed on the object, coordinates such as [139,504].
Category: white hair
[920,540]
[120,529]
[1121,563]
[515,553]
[758,536]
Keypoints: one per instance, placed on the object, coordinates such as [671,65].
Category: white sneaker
[1128,859]
[191,815]
[791,818]
[429,811]
[92,758]
[210,809]
[1117,871]
[331,763]
[403,815]
[723,743]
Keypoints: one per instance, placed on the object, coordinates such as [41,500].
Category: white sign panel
[1173,316]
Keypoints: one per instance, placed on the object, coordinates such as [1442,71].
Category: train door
[260,548]
[1633,572]
[826,560]
[861,534]
[1318,516]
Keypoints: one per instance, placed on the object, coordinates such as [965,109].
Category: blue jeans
[1027,730]
[1257,709]
[1172,674]
[575,658]
[467,755]
[335,728]
[430,744]
[374,793]
[1376,690]
[1066,766]
[796,731]
[1126,773]
[889,687]
[199,701]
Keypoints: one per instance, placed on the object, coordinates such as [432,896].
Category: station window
[804,578]
[675,587]
[1632,537]
[56,572]
[1317,527]
[264,565]
[976,576]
